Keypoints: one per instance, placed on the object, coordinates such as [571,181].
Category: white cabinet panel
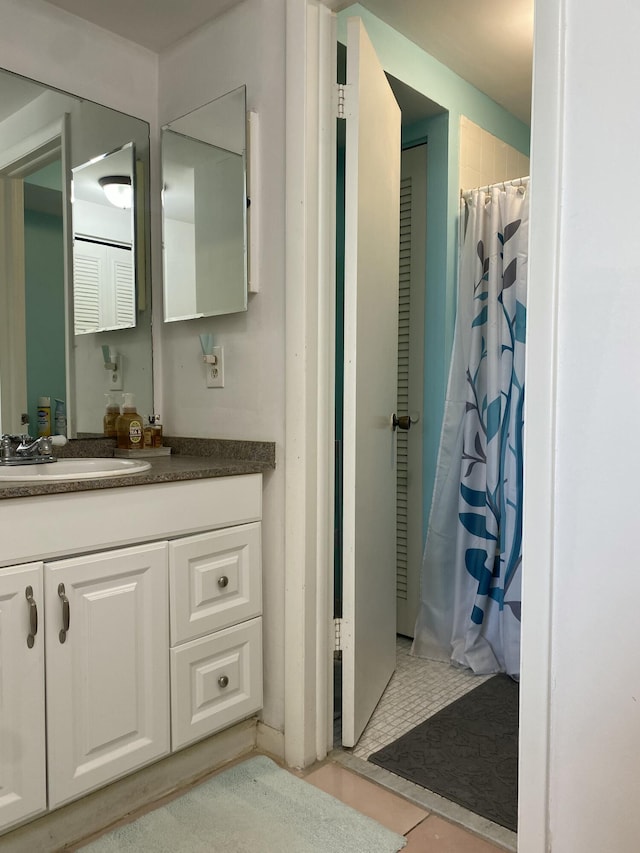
[107,683]
[215,581]
[216,681]
[22,743]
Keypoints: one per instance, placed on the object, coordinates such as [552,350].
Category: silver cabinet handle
[33,617]
[66,614]
[223,681]
[223,581]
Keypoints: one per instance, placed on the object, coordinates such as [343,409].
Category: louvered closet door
[88,271]
[121,261]
[410,378]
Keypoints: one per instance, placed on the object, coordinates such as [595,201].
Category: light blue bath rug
[254,807]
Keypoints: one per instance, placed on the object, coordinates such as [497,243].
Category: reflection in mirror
[103,243]
[205,210]
[45,137]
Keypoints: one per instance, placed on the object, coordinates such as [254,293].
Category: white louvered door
[412,272]
[103,286]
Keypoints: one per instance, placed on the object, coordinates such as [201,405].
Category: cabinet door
[215,580]
[22,727]
[108,682]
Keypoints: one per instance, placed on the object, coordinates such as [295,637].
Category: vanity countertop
[191,459]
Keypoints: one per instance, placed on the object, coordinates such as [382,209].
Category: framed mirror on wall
[55,149]
[204,210]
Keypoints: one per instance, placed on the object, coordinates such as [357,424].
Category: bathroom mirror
[52,146]
[204,210]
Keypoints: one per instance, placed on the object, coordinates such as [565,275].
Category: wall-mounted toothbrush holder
[113,363]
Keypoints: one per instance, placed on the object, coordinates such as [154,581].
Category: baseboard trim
[78,820]
[270,740]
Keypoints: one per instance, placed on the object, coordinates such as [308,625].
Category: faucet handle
[5,446]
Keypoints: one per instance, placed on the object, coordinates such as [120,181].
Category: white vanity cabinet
[23,791]
[148,604]
[108,673]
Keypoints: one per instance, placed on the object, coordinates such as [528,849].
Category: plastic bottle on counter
[111,415]
[129,426]
[60,418]
[44,416]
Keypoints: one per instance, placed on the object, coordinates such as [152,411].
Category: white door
[23,770]
[108,674]
[372,190]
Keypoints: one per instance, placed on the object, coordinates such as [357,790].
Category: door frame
[309,327]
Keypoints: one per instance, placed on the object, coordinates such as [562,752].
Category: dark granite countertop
[190,459]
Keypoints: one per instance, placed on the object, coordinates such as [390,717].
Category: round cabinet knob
[402,422]
[223,581]
[223,681]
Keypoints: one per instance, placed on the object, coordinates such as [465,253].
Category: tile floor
[418,689]
[425,832]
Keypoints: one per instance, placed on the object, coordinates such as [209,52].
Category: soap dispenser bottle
[129,426]
[111,415]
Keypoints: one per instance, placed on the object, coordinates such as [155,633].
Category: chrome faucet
[25,450]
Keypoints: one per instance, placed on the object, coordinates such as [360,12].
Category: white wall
[583,550]
[244,46]
[63,51]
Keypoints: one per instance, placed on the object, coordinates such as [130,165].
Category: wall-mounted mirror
[205,210]
[53,147]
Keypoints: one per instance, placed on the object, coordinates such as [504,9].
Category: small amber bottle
[129,426]
[157,431]
[148,432]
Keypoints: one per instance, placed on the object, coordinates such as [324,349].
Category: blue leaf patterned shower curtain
[471,575]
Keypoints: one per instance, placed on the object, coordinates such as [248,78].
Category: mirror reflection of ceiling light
[118,190]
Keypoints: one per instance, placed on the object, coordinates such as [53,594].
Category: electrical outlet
[215,372]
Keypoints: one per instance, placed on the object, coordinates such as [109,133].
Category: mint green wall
[44,279]
[407,62]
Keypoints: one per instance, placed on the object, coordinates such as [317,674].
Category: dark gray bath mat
[468,752]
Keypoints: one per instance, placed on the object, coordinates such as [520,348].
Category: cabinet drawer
[215,681]
[215,581]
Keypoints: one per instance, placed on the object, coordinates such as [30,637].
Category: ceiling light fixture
[118,190]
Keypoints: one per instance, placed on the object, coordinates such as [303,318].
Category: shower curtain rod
[516,182]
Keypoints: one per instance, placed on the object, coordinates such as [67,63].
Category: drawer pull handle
[33,617]
[223,681]
[223,581]
[66,615]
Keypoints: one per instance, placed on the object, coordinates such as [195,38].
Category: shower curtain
[471,574]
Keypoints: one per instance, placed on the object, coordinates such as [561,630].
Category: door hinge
[337,633]
[342,101]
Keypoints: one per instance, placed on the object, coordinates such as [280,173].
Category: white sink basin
[72,469]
